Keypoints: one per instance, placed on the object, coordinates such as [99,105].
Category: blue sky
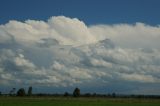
[101,46]
[90,11]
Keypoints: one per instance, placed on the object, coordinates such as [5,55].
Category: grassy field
[61,101]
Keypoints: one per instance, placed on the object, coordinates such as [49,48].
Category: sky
[100,46]
[90,11]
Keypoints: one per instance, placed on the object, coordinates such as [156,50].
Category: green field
[61,101]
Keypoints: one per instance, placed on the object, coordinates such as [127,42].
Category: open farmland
[64,101]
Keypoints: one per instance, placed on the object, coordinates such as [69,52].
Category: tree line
[76,93]
[20,92]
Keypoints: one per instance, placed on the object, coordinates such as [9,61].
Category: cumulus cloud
[63,51]
[138,35]
[139,78]
[72,31]
[63,29]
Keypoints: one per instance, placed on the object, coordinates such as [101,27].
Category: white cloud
[66,30]
[139,35]
[101,63]
[65,52]
[139,78]
[5,37]
[73,31]
[6,76]
[57,66]
[21,61]
[79,73]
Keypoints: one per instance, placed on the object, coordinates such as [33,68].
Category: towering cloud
[64,52]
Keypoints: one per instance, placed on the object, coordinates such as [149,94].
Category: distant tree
[113,94]
[21,92]
[87,95]
[30,91]
[94,94]
[66,94]
[12,92]
[109,95]
[0,93]
[76,92]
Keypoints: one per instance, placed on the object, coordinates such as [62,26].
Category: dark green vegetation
[81,101]
[21,98]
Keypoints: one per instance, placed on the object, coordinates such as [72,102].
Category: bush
[21,92]
[66,94]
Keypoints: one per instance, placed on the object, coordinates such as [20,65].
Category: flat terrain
[64,101]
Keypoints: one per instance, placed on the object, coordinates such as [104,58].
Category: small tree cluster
[21,92]
[76,92]
[66,94]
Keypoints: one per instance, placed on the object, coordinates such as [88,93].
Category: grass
[61,101]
